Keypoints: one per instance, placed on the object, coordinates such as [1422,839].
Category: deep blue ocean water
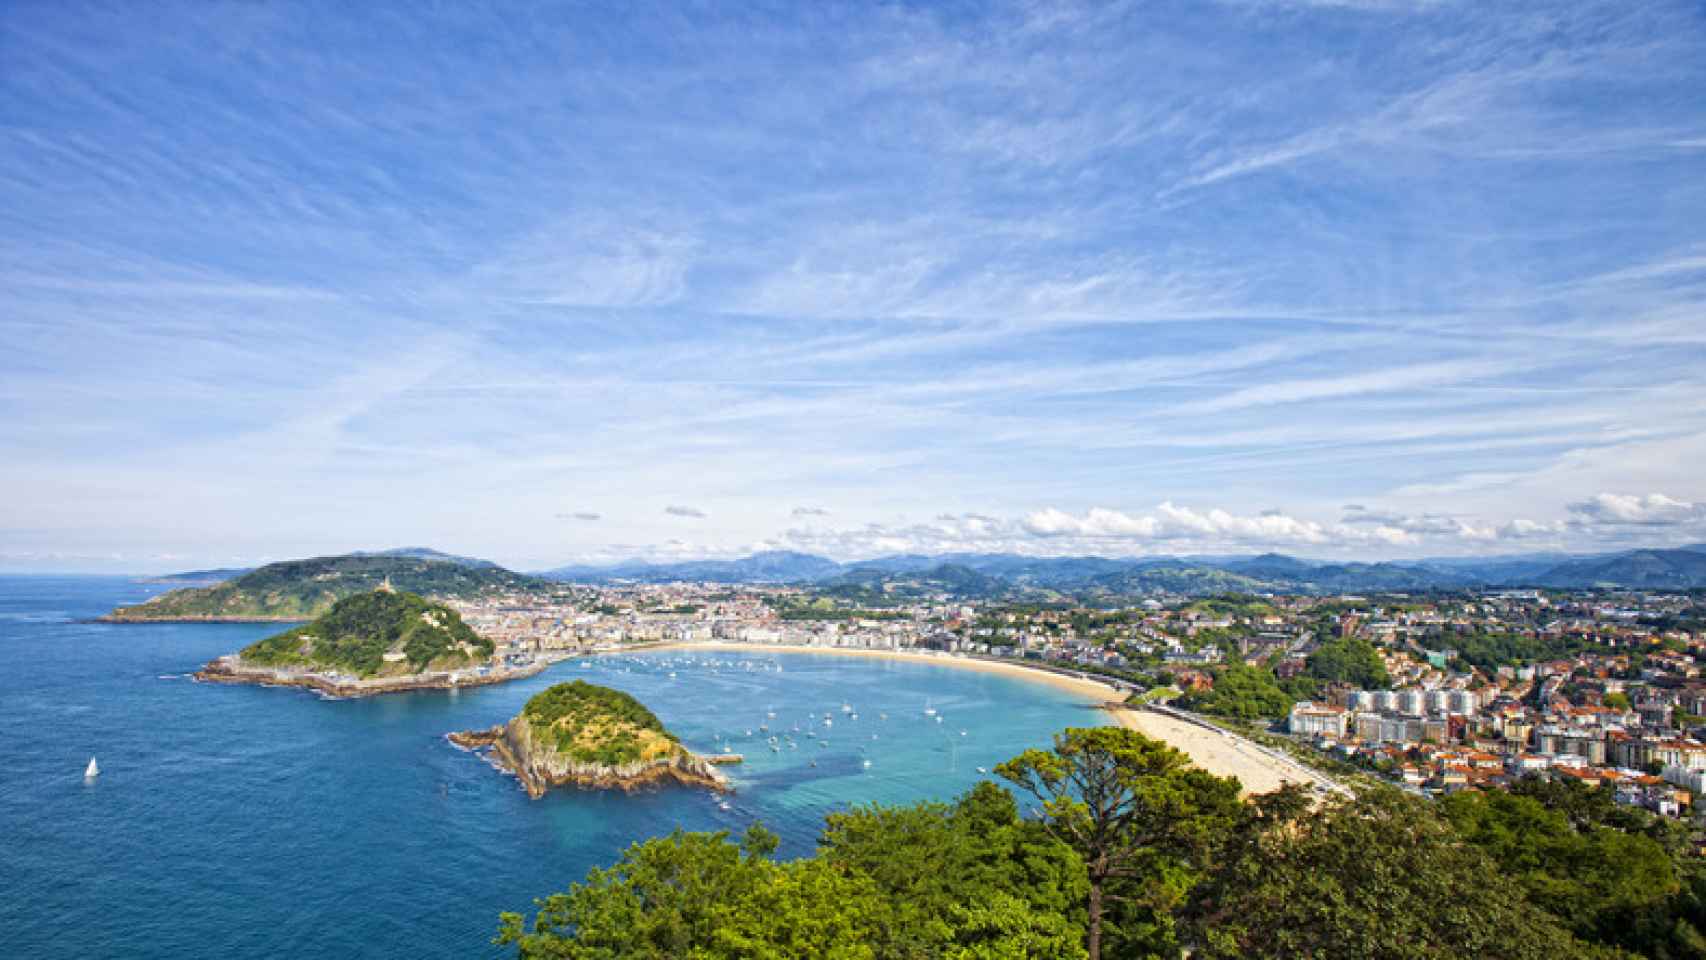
[247,821]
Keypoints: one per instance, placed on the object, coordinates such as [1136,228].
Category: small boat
[723,805]
[982,770]
[92,771]
[867,764]
[962,733]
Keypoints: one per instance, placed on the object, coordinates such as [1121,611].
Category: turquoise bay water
[235,820]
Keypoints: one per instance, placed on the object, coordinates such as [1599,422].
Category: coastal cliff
[581,735]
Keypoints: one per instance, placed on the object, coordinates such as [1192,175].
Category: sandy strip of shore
[1091,690]
[1224,756]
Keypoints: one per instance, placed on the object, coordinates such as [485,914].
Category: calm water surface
[265,822]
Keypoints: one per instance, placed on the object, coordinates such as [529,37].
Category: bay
[273,822]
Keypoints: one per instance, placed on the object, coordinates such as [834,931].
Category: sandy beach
[1091,690]
[1225,755]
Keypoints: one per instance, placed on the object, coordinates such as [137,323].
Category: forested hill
[304,589]
[374,633]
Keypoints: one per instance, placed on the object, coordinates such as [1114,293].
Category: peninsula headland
[295,590]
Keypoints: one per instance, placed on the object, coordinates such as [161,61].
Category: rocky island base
[591,737]
[232,669]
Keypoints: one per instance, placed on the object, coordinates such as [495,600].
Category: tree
[1134,810]
[1351,660]
[1595,880]
[1377,877]
[699,895]
[1243,693]
[962,875]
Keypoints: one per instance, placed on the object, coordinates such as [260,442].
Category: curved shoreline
[1223,752]
[1095,691]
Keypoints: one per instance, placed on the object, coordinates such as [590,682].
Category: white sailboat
[93,770]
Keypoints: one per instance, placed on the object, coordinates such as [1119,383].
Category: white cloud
[1653,509]
[676,510]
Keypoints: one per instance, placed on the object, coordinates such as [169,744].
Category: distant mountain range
[980,575]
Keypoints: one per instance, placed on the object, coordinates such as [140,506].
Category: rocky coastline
[540,767]
[231,669]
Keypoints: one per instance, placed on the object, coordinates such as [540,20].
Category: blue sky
[1337,278]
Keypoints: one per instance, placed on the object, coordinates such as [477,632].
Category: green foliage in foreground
[1382,877]
[1613,874]
[356,632]
[593,724]
[1378,877]
[968,882]
[1144,822]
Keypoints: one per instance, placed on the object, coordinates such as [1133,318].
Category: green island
[597,724]
[582,734]
[304,589]
[383,641]
[376,634]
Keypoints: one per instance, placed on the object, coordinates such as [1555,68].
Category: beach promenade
[1223,753]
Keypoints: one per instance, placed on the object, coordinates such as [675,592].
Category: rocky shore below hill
[540,766]
[231,669]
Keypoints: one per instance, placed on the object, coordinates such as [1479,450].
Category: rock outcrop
[540,765]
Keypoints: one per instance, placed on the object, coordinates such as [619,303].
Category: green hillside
[302,589]
[596,724]
[359,631]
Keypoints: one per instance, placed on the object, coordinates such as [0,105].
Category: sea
[252,821]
